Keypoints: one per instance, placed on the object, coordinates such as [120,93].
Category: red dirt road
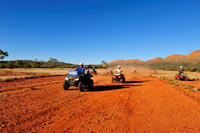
[143,104]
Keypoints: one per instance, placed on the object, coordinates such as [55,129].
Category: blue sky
[96,30]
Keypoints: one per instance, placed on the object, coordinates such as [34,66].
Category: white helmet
[81,63]
[181,66]
[119,66]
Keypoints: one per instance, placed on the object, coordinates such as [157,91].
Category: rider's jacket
[93,69]
[119,71]
[181,71]
[80,70]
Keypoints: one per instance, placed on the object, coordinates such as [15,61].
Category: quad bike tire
[113,80]
[81,86]
[91,85]
[123,80]
[185,79]
[66,86]
[177,78]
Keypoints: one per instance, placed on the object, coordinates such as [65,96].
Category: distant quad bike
[118,78]
[110,72]
[82,81]
[182,77]
[133,71]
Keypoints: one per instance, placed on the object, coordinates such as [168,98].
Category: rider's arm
[77,69]
[83,69]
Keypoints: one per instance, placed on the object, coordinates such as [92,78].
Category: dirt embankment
[142,104]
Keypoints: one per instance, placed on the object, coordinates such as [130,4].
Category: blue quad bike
[82,81]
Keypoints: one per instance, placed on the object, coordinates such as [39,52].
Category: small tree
[34,65]
[104,64]
[18,63]
[53,60]
[10,65]
[27,65]
[3,54]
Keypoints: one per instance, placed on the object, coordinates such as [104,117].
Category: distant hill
[193,57]
[154,60]
[190,61]
[195,54]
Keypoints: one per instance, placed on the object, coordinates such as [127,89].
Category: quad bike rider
[80,78]
[93,70]
[81,68]
[118,75]
[181,70]
[181,75]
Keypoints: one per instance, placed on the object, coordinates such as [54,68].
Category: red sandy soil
[11,73]
[143,104]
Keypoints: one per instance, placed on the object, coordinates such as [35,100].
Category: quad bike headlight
[76,79]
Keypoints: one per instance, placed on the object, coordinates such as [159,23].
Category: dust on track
[143,104]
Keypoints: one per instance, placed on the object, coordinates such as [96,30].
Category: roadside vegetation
[40,64]
[195,67]
[169,77]
[22,69]
[175,66]
[51,63]
[176,83]
[171,74]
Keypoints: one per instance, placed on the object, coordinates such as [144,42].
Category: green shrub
[2,65]
[10,65]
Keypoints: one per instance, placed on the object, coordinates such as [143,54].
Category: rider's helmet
[81,63]
[118,66]
[181,67]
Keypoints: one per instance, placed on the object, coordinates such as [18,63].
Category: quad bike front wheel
[123,80]
[185,78]
[82,86]
[113,80]
[91,85]
[177,78]
[66,86]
